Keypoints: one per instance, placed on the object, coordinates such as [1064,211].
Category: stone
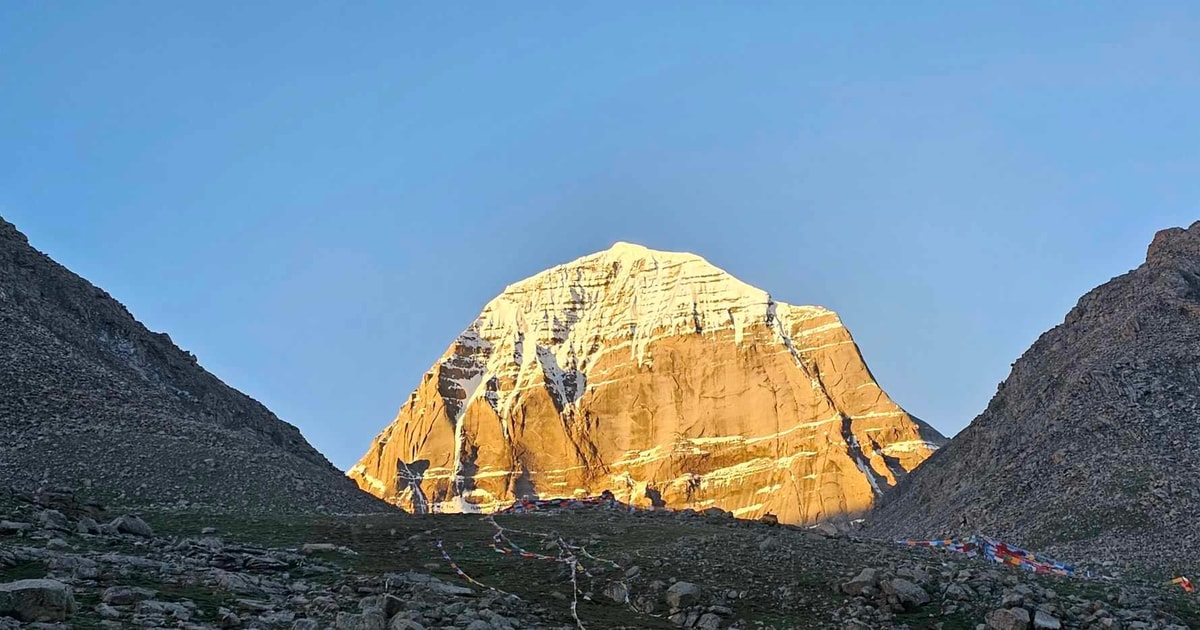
[682,595]
[171,609]
[278,619]
[311,548]
[1045,621]
[238,583]
[910,596]
[617,592]
[540,347]
[126,595]
[1013,600]
[265,564]
[37,600]
[228,619]
[401,623]
[770,543]
[306,624]
[1008,619]
[865,578]
[132,525]
[371,620]
[53,519]
[73,566]
[958,592]
[11,527]
[708,621]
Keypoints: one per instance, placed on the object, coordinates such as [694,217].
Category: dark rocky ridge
[1091,447]
[90,397]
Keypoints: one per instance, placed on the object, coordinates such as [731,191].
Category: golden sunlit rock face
[659,377]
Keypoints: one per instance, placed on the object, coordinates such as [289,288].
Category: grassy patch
[1186,606]
[929,620]
[1067,587]
[272,530]
[26,570]
[207,599]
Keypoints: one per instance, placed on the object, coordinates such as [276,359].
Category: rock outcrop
[1090,448]
[659,377]
[91,398]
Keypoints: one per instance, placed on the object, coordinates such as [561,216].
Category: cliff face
[1090,448]
[657,376]
[90,398]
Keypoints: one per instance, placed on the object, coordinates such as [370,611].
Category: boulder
[53,519]
[370,620]
[87,525]
[1044,621]
[126,595]
[908,594]
[36,600]
[865,578]
[172,609]
[131,525]
[683,594]
[1008,619]
[617,592]
[11,527]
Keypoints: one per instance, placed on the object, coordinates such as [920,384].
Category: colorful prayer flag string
[999,552]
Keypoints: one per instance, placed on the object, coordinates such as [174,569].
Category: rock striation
[656,376]
[91,398]
[1090,449]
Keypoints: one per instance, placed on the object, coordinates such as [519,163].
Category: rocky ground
[64,562]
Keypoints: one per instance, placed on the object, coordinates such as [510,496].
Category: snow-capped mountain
[657,376]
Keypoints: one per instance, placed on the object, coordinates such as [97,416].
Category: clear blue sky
[316,199]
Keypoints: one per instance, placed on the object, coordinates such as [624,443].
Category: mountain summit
[90,398]
[655,375]
[1091,446]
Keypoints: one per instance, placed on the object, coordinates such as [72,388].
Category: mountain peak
[627,246]
[655,375]
[8,231]
[1175,245]
[624,250]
